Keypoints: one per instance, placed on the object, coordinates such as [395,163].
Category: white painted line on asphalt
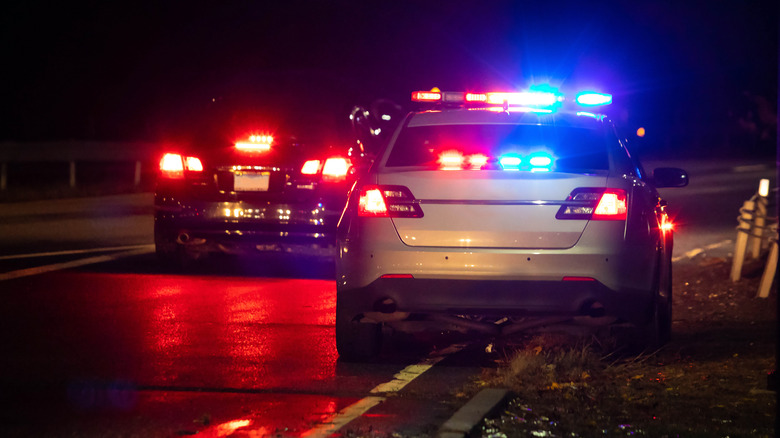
[146,249]
[694,252]
[406,375]
[71,252]
[403,378]
[344,416]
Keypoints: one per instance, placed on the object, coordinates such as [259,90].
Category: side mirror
[670,177]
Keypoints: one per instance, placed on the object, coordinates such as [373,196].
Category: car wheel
[658,330]
[356,341]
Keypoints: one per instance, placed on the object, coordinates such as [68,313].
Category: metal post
[72,174]
[137,180]
[743,229]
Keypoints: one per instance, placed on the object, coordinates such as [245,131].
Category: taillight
[311,167]
[595,204]
[611,206]
[174,165]
[193,164]
[388,201]
[334,169]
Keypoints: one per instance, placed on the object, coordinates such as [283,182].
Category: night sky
[150,70]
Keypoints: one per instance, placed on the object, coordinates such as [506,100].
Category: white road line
[694,252]
[145,249]
[355,410]
[71,252]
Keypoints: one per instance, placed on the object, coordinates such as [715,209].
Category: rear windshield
[570,149]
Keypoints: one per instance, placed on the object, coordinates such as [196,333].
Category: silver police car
[501,212]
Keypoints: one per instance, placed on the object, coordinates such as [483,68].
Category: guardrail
[756,232]
[75,154]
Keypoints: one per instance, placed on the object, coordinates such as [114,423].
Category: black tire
[356,341]
[658,329]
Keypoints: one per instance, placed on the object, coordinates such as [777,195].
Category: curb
[466,419]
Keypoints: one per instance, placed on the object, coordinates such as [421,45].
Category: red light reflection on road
[258,332]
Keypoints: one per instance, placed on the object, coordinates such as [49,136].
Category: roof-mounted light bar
[544,98]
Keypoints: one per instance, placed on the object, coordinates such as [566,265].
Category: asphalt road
[98,340]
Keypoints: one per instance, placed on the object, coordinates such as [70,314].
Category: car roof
[514,116]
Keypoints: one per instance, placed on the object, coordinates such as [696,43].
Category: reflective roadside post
[757,236]
[771,266]
[743,230]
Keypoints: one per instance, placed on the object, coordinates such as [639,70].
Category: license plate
[251,181]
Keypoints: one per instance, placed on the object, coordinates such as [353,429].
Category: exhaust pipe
[183,238]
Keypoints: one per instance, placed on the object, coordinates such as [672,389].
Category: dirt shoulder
[710,380]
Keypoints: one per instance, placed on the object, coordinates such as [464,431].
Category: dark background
[701,76]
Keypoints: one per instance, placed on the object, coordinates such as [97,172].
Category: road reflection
[235,331]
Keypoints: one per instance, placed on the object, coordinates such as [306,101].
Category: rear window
[571,149]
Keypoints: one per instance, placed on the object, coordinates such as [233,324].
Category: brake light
[171,163]
[388,201]
[174,165]
[611,206]
[336,169]
[311,167]
[595,204]
[256,143]
[333,169]
[194,164]
[372,203]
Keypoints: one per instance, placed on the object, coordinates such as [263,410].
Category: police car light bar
[536,99]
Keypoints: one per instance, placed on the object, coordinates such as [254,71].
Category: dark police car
[257,194]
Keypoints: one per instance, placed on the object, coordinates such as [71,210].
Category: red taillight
[334,169]
[595,204]
[311,167]
[174,165]
[611,206]
[372,203]
[388,201]
[193,164]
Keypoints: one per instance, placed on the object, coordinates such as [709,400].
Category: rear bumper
[495,298]
[237,227]
[621,278]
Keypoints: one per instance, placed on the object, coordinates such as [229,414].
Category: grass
[710,380]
